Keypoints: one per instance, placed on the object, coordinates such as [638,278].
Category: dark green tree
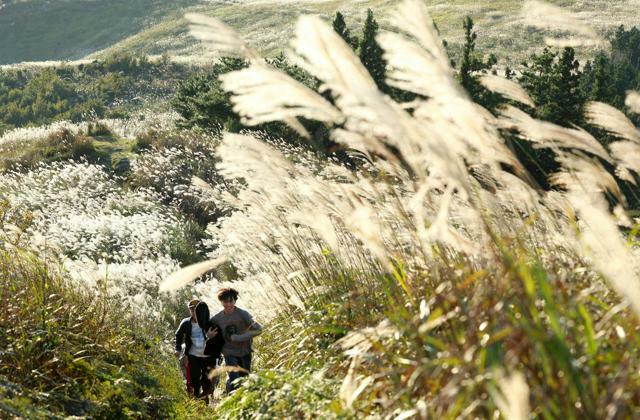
[597,82]
[340,26]
[471,65]
[371,54]
[552,80]
[625,46]
[202,102]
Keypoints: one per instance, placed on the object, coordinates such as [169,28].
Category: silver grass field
[436,281]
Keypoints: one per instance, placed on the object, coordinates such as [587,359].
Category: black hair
[202,315]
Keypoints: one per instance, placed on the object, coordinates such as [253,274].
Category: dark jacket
[213,346]
[183,335]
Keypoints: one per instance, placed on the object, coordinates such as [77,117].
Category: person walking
[201,353]
[238,328]
[183,336]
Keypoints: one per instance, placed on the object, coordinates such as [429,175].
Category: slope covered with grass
[36,30]
[71,29]
[68,349]
[268,25]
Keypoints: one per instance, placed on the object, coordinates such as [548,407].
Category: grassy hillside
[498,22]
[70,29]
[68,351]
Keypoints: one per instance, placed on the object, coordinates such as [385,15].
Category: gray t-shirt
[237,322]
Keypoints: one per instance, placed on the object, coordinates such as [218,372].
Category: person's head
[192,307]
[228,298]
[202,314]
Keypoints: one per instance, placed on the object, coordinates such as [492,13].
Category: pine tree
[601,89]
[468,59]
[371,54]
[340,26]
[472,64]
[553,82]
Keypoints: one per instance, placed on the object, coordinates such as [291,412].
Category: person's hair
[227,293]
[193,303]
[202,315]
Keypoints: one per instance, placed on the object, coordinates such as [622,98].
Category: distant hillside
[36,30]
[70,29]
[267,24]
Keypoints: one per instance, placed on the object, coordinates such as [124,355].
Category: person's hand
[212,332]
[177,354]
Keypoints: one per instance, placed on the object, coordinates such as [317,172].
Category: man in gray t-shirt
[238,328]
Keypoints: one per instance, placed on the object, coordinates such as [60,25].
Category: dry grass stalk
[188,274]
[263,94]
[548,135]
[513,396]
[507,88]
[633,101]
[612,120]
[224,40]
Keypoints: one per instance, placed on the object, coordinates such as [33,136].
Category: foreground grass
[449,349]
[68,350]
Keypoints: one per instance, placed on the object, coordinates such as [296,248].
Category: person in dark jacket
[201,353]
[183,336]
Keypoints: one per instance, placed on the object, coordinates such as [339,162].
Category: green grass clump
[283,393]
[60,145]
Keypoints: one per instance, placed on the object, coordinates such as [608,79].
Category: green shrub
[283,394]
[59,145]
[98,129]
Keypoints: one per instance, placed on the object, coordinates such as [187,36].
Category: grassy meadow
[425,242]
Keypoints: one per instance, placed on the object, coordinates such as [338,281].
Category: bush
[169,162]
[96,129]
[283,394]
[57,146]
[114,86]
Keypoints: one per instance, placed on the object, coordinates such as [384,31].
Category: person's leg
[245,363]
[213,364]
[196,369]
[186,371]
[232,361]
[207,385]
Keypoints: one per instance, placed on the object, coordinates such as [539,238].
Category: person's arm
[179,338]
[253,330]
